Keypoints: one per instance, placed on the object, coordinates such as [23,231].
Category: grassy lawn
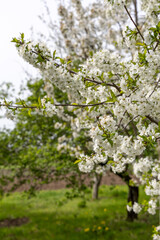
[101,219]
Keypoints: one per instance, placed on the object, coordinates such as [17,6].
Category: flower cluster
[136,208]
[156,235]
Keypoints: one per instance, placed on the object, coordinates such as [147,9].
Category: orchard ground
[50,216]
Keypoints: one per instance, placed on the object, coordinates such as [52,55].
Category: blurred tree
[40,149]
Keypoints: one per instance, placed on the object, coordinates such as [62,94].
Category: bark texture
[133,194]
[96,183]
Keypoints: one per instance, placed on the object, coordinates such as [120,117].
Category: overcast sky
[17,16]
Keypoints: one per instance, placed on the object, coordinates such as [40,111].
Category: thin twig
[131,121]
[152,119]
[154,88]
[121,31]
[154,49]
[57,105]
[17,106]
[158,42]
[125,129]
[136,11]
[133,125]
[82,105]
[133,22]
[121,119]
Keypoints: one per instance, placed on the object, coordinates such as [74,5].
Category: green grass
[49,221]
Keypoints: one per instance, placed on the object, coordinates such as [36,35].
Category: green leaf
[22,37]
[110,74]
[140,44]
[54,54]
[15,40]
[74,104]
[113,95]
[62,60]
[69,62]
[39,102]
[40,58]
[77,161]
[29,112]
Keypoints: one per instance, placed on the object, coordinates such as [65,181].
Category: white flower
[57,125]
[158,228]
[129,208]
[137,208]
[151,211]
[156,237]
[86,165]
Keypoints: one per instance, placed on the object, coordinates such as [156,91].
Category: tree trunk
[96,183]
[133,194]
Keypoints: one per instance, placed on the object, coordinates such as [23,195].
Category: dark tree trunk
[133,194]
[96,183]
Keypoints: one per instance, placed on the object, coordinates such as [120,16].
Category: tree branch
[134,22]
[158,42]
[131,121]
[154,88]
[121,119]
[57,105]
[17,106]
[135,11]
[152,119]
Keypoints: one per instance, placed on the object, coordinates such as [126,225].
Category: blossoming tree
[119,95]
[82,32]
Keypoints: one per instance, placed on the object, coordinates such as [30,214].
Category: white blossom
[137,208]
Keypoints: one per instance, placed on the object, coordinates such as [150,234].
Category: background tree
[40,149]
